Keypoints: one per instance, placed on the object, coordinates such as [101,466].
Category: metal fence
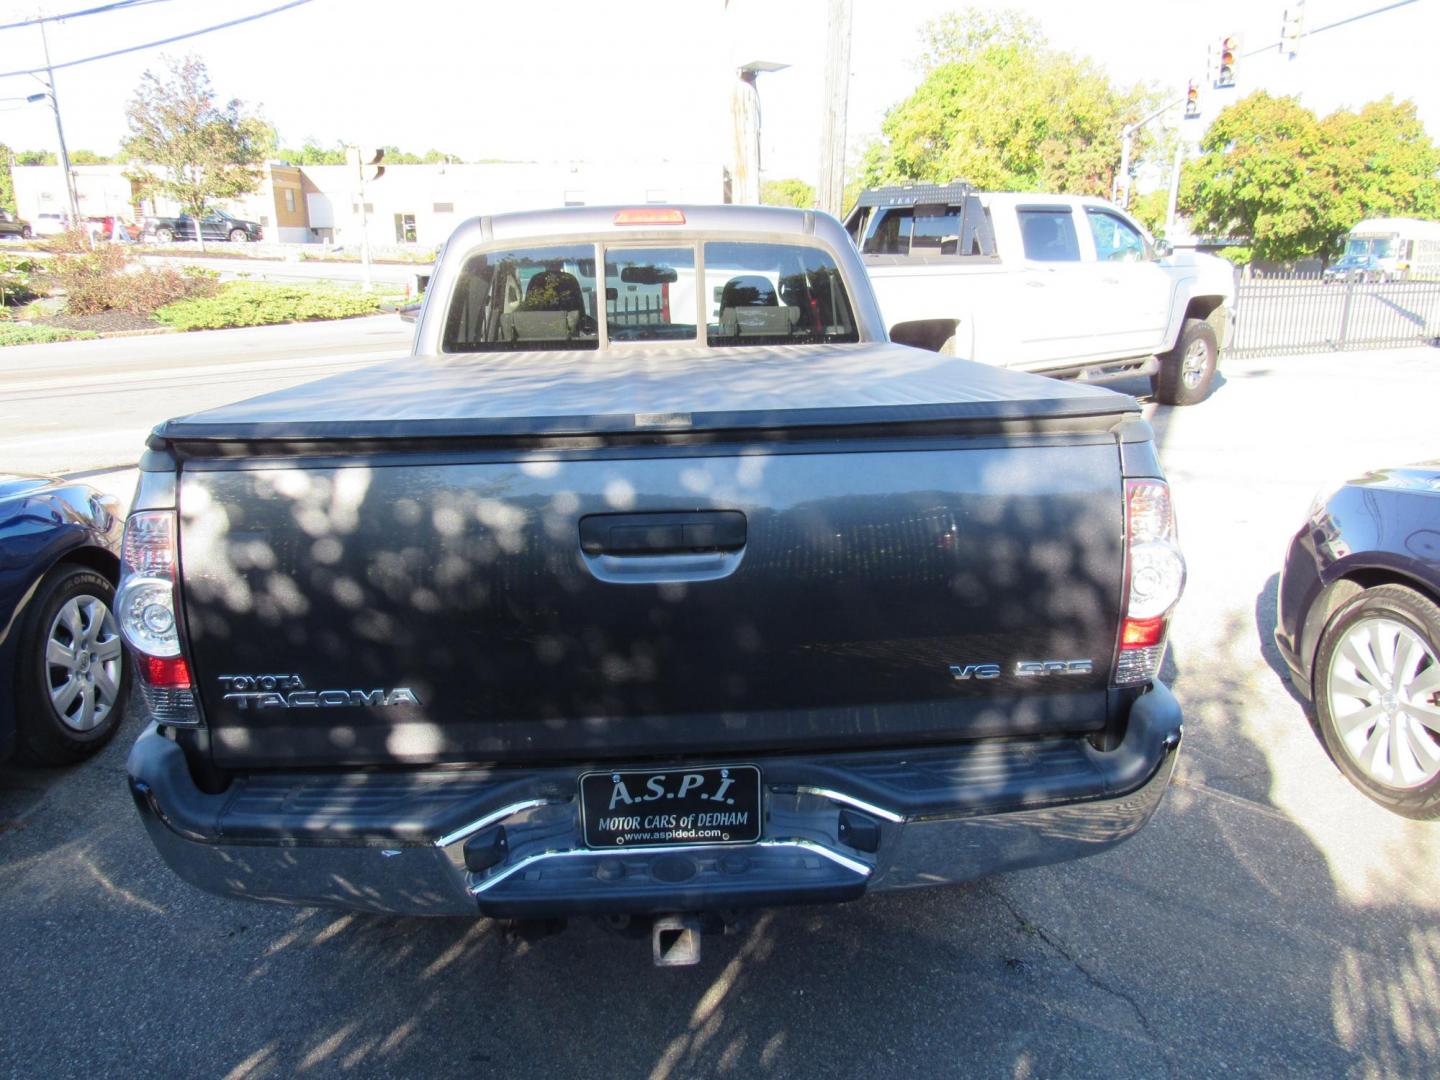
[636,311]
[1276,315]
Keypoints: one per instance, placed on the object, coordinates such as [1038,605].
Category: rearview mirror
[649,275]
[409,312]
[1164,249]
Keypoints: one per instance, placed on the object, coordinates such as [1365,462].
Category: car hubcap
[82,663]
[1383,689]
[1197,358]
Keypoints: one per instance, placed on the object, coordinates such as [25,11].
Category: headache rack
[972,235]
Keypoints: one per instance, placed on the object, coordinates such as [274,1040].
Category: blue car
[1355,267]
[1359,628]
[63,677]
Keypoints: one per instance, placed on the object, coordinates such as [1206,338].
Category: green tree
[36,157]
[1001,109]
[312,153]
[203,149]
[1150,210]
[788,192]
[89,157]
[1293,185]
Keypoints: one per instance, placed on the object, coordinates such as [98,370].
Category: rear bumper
[507,842]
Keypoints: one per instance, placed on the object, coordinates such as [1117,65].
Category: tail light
[1154,580]
[146,608]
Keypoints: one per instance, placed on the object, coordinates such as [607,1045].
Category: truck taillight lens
[1154,580]
[145,606]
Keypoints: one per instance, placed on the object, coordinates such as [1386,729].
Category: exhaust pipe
[675,941]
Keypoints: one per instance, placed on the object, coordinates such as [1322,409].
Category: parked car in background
[1359,628]
[61,665]
[655,581]
[215,225]
[51,224]
[1356,266]
[1060,285]
[12,227]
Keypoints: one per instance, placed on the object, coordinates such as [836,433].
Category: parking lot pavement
[1270,920]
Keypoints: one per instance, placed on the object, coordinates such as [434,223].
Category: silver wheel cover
[1383,689]
[1192,368]
[82,663]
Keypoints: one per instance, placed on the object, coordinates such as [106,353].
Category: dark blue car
[62,672]
[1359,628]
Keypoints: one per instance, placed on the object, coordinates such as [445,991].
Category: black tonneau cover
[661,389]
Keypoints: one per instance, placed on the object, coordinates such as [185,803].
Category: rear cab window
[1048,233]
[719,293]
[524,299]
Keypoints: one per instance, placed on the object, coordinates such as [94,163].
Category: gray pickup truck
[655,582]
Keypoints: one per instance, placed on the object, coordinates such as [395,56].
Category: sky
[604,81]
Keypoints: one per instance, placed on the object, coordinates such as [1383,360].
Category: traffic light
[1292,29]
[1192,101]
[1225,73]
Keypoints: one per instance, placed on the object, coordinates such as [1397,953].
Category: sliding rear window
[527,299]
[774,294]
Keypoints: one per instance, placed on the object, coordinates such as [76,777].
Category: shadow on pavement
[1215,941]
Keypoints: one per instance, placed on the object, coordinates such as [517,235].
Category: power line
[155,44]
[118,5]
[1331,26]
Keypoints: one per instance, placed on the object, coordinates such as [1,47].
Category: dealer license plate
[714,804]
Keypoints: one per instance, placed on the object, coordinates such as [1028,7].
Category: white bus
[1396,249]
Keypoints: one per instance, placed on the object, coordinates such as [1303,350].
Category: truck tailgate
[439,605]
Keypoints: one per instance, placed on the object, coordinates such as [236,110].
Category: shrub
[17,280]
[105,278]
[19,333]
[257,303]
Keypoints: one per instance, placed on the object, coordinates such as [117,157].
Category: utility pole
[830,193]
[1174,188]
[60,132]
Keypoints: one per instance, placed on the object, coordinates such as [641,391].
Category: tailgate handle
[662,534]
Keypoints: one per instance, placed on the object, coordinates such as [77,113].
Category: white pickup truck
[1061,285]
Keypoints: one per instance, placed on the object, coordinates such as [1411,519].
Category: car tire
[165,236]
[25,233]
[66,710]
[238,236]
[1187,372]
[1361,698]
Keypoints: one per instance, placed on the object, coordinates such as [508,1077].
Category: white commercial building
[409,206]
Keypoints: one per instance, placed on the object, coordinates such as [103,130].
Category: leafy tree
[204,149]
[36,157]
[789,192]
[89,157]
[964,35]
[1294,184]
[1150,210]
[1001,109]
[312,153]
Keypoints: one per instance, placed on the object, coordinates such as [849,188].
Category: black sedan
[1359,629]
[62,673]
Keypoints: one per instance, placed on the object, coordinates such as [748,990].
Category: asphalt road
[87,406]
[1270,921]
